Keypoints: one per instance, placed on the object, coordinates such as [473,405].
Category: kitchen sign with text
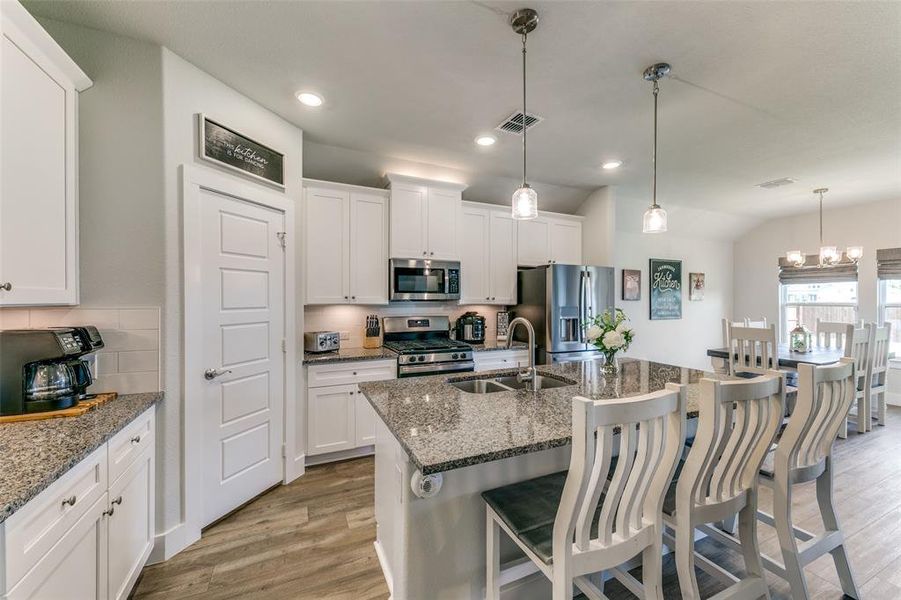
[230,149]
[666,289]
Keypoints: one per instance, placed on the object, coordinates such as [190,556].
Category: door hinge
[284,345]
[281,235]
[284,451]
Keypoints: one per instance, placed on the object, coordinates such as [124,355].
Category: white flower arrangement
[609,332]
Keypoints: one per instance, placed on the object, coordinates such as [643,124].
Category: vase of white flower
[610,333]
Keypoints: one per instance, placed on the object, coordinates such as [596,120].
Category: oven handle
[436,368]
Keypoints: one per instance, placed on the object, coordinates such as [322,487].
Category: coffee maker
[36,373]
[91,342]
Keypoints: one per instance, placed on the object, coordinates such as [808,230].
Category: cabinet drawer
[128,444]
[489,361]
[32,531]
[351,372]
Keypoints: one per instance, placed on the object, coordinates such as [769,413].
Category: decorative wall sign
[230,149]
[631,284]
[666,289]
[695,286]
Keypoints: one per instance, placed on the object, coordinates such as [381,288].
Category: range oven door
[418,279]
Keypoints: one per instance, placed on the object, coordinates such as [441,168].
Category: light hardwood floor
[313,539]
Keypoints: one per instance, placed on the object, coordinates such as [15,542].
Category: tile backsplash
[352,318]
[129,363]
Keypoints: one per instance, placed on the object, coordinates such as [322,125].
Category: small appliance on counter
[36,368]
[471,328]
[373,333]
[321,341]
[503,325]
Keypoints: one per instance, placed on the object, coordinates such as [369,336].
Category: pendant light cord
[524,118]
[821,219]
[654,158]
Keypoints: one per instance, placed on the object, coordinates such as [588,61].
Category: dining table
[788,358]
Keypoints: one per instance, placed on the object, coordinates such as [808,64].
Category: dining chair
[751,349]
[746,322]
[831,334]
[878,372]
[737,423]
[761,322]
[576,523]
[859,348]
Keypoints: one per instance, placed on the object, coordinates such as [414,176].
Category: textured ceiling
[761,90]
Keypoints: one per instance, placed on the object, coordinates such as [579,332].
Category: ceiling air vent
[513,123]
[768,185]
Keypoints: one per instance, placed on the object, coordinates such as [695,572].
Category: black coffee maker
[36,372]
[90,341]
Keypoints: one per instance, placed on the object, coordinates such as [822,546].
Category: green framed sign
[665,280]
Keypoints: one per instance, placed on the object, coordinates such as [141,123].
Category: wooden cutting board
[73,411]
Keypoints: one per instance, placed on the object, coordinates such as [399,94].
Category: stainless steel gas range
[424,346]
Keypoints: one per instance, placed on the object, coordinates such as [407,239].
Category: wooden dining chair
[576,523]
[878,372]
[751,349]
[761,322]
[859,348]
[831,334]
[737,423]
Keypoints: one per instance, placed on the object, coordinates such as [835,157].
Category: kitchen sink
[509,383]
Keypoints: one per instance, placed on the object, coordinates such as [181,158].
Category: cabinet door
[502,273]
[331,419]
[75,567]
[365,420]
[130,525]
[475,265]
[408,221]
[533,242]
[443,221]
[368,248]
[566,242]
[326,231]
[38,221]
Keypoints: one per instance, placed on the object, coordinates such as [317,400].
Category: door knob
[211,374]
[8,286]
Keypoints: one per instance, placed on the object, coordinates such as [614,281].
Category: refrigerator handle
[583,315]
[591,294]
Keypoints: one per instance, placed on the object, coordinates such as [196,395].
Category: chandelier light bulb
[828,255]
[855,253]
[795,257]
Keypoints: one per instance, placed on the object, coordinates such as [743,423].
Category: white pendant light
[654,220]
[525,199]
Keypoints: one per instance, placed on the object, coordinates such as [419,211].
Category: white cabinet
[39,87]
[346,243]
[339,417]
[424,218]
[487,256]
[87,535]
[550,239]
[500,359]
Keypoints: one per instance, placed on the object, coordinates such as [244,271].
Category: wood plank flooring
[313,539]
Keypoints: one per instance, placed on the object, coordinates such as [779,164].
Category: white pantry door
[243,294]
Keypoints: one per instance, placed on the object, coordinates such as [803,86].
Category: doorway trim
[193,180]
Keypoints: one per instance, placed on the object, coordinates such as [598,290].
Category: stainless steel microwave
[423,279]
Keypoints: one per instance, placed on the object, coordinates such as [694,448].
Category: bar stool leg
[794,571]
[830,521]
[750,548]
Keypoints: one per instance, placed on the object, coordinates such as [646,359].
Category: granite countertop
[34,454]
[348,354]
[494,345]
[443,428]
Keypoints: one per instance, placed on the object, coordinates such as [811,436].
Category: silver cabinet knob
[8,286]
[353,297]
[431,254]
[117,500]
[345,297]
[136,439]
[71,500]
[424,252]
[109,513]
[211,374]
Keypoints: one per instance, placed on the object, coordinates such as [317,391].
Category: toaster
[321,341]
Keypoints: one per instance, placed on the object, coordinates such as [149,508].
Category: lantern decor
[800,339]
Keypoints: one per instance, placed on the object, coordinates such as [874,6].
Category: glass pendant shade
[828,255]
[855,253]
[525,203]
[654,220]
[795,257]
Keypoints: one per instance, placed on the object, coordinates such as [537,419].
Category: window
[890,310]
[804,303]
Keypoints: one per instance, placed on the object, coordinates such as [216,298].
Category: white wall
[873,225]
[598,230]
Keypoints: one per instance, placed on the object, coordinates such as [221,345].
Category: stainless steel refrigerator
[558,300]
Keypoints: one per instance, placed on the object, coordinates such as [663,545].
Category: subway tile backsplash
[129,363]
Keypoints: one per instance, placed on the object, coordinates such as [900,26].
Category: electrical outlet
[345,335]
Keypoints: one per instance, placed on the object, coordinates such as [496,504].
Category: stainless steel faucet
[529,374]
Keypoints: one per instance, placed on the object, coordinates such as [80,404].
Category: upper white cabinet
[39,87]
[487,255]
[346,233]
[424,218]
[550,239]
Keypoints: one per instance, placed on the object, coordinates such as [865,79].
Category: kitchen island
[434,547]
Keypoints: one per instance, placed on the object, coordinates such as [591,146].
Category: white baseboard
[169,543]
[320,459]
[295,467]
[386,570]
[893,398]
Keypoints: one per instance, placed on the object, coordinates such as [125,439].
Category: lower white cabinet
[85,537]
[339,417]
[500,359]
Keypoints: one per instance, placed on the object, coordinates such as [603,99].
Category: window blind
[811,272]
[888,263]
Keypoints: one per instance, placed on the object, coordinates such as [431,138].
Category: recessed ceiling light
[612,164]
[486,140]
[309,98]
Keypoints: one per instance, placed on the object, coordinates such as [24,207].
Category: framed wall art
[665,279]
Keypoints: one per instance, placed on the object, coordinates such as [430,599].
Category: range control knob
[455,356]
[422,359]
